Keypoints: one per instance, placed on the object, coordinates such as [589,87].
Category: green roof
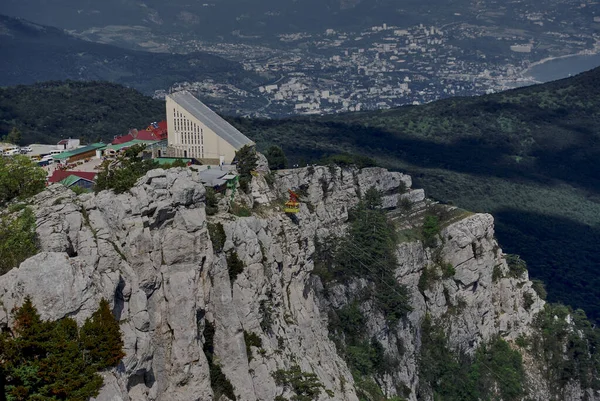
[171,160]
[78,151]
[70,180]
[120,146]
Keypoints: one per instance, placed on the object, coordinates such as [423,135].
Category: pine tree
[276,158]
[56,360]
[101,338]
[246,163]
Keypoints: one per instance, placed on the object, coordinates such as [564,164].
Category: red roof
[60,175]
[122,139]
[148,134]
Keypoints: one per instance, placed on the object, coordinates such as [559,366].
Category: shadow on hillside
[576,165]
[563,253]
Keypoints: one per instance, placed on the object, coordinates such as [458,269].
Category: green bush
[20,178]
[57,360]
[212,203]
[266,311]
[219,383]
[306,386]
[18,240]
[234,265]
[251,340]
[217,236]
[246,164]
[239,210]
[122,174]
[516,266]
[430,231]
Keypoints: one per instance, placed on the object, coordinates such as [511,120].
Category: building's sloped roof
[211,119]
[129,144]
[78,151]
[157,132]
[59,175]
[72,179]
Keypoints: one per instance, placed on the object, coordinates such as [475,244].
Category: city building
[196,131]
[86,152]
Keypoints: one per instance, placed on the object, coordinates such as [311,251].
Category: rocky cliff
[185,315]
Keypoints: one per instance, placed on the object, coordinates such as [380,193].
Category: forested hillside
[529,156]
[49,111]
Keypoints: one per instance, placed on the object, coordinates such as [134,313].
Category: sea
[563,67]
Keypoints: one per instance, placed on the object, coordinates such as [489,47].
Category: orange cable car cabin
[292,205]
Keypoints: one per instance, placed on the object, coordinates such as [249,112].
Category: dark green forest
[92,111]
[528,156]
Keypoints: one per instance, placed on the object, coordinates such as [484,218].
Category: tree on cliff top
[246,163]
[20,178]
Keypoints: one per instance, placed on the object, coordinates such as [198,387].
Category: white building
[196,131]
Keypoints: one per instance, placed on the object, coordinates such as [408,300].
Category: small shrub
[427,278]
[527,300]
[306,386]
[405,205]
[266,311]
[251,340]
[539,288]
[430,231]
[239,210]
[212,203]
[448,270]
[497,274]
[79,190]
[18,239]
[234,265]
[402,188]
[516,266]
[219,383]
[217,236]
[521,341]
[324,186]
[270,179]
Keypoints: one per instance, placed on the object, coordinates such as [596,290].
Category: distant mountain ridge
[214,18]
[34,53]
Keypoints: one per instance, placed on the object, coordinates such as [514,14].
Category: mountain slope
[214,304]
[529,156]
[33,53]
[92,111]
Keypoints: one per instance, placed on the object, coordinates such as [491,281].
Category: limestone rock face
[149,253]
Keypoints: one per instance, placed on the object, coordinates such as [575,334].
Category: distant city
[384,66]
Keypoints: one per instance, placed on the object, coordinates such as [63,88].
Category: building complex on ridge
[196,131]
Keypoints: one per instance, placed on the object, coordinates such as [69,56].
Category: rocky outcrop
[150,254]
